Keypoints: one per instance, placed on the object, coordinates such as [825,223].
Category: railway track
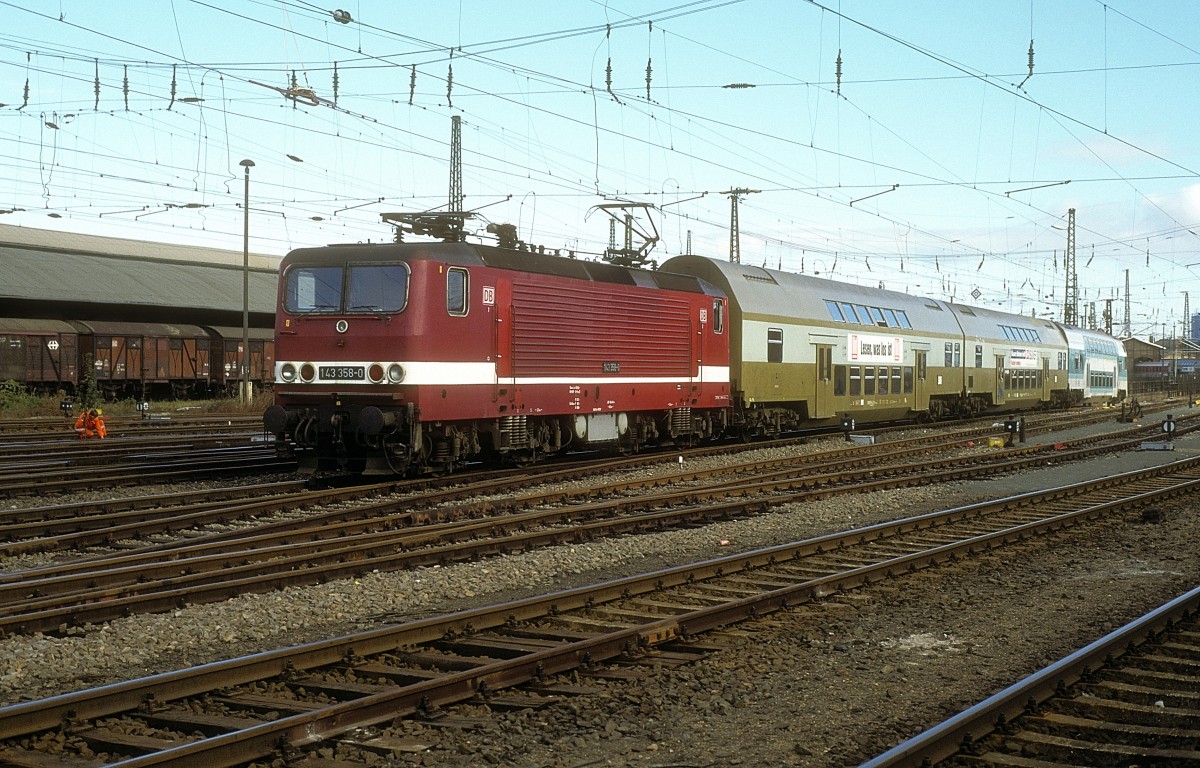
[421,530]
[1129,698]
[61,526]
[351,690]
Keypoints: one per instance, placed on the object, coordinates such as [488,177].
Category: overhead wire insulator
[95,86]
[295,85]
[1030,64]
[838,72]
[648,79]
[450,80]
[125,87]
[173,86]
[412,84]
[335,82]
[25,103]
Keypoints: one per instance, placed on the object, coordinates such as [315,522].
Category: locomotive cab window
[457,291]
[337,289]
[377,288]
[313,289]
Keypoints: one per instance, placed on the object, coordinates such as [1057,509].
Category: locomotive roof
[468,255]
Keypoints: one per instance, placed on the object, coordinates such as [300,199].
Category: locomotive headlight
[307,372]
[287,373]
[375,373]
[395,373]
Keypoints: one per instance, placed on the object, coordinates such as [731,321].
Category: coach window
[896,380]
[868,379]
[774,345]
[877,316]
[949,355]
[835,311]
[978,355]
[855,380]
[456,291]
[864,316]
[957,355]
[902,316]
[890,315]
[883,377]
[718,322]
[848,312]
[839,380]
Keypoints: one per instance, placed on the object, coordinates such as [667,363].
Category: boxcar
[147,360]
[43,355]
[227,362]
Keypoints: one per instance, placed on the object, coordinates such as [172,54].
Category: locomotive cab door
[823,382]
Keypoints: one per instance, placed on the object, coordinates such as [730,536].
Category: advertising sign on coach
[1024,358]
[864,348]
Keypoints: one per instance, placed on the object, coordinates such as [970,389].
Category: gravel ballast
[827,685]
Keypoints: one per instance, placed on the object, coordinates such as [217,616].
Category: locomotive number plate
[342,372]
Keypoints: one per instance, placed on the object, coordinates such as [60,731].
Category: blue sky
[937,164]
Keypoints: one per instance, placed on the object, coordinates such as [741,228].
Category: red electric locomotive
[417,357]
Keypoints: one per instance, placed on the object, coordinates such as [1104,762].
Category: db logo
[489,295]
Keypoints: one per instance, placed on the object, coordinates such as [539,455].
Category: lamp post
[244,362]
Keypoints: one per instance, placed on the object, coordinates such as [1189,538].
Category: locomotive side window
[718,321]
[774,345]
[313,289]
[456,291]
[377,288]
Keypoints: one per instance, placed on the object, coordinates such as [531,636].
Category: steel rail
[309,728]
[100,590]
[1000,710]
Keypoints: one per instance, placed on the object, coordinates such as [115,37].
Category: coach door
[1001,381]
[1045,379]
[919,388]
[823,381]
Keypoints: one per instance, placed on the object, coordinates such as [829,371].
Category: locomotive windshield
[346,290]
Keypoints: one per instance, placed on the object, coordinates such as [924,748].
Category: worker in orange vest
[91,424]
